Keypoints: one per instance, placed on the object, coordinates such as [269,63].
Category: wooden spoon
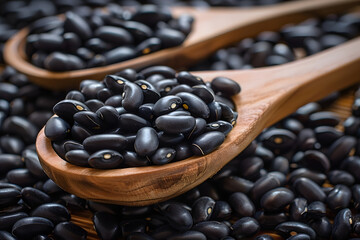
[268,95]
[213,28]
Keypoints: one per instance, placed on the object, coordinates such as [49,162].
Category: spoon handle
[218,27]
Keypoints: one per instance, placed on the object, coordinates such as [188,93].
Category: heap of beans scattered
[275,48]
[299,180]
[135,119]
[98,37]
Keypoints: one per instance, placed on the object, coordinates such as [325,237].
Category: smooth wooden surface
[213,28]
[268,95]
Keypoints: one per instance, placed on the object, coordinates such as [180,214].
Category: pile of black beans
[300,179]
[131,119]
[292,41]
[31,205]
[89,38]
[18,14]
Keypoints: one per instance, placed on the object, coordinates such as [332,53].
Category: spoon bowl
[268,95]
[213,29]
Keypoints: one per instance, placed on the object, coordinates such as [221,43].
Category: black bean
[21,127]
[207,142]
[250,168]
[114,35]
[236,184]
[8,91]
[76,24]
[327,135]
[69,230]
[309,190]
[34,197]
[175,124]
[195,105]
[316,177]
[340,149]
[202,209]
[98,142]
[146,142]
[53,211]
[342,225]
[131,159]
[178,217]
[183,151]
[131,123]
[315,160]
[352,166]
[304,112]
[67,108]
[276,199]
[298,208]
[221,211]
[32,163]
[163,156]
[204,92]
[21,177]
[278,139]
[49,42]
[212,229]
[151,94]
[339,197]
[286,229]
[77,157]
[132,97]
[166,105]
[105,159]
[94,104]
[322,227]
[109,116]
[8,220]
[280,164]
[245,227]
[106,225]
[170,37]
[225,86]
[341,177]
[57,129]
[199,128]
[270,220]
[50,187]
[165,71]
[78,133]
[263,185]
[119,54]
[75,95]
[138,236]
[9,162]
[9,196]
[148,46]
[241,204]
[315,210]
[187,78]
[220,126]
[71,41]
[32,226]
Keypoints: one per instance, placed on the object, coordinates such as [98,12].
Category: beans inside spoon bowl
[267,95]
[212,29]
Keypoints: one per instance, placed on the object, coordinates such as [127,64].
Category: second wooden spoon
[268,95]
[213,29]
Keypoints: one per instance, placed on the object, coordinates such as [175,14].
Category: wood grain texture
[213,29]
[268,95]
